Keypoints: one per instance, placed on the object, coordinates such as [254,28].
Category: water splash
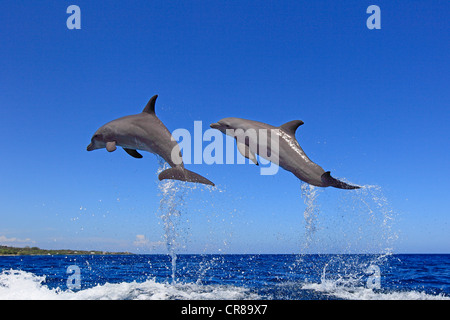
[356,221]
[358,227]
[311,214]
[371,210]
[23,285]
[170,205]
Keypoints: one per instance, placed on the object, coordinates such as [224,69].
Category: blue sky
[375,105]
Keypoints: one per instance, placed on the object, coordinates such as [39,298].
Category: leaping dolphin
[144,131]
[288,154]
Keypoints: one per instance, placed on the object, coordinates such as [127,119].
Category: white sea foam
[351,286]
[342,290]
[22,285]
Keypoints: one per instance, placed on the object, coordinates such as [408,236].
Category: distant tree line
[6,250]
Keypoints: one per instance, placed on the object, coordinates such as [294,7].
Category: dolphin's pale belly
[161,147]
[136,143]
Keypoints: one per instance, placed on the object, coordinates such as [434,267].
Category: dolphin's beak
[215,125]
[90,147]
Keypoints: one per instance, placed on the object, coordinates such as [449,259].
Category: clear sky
[375,105]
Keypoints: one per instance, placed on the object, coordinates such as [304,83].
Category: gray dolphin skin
[288,154]
[144,131]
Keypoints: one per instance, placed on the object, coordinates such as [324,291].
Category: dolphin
[287,154]
[144,131]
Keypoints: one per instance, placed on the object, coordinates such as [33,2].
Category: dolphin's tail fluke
[179,173]
[328,180]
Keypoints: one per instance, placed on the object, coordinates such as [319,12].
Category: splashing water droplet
[311,213]
[357,227]
[172,200]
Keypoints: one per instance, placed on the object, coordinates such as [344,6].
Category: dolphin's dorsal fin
[150,107]
[291,126]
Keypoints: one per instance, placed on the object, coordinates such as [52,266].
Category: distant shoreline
[35,251]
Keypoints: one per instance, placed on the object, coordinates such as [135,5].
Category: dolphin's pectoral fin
[111,146]
[328,180]
[291,126]
[179,173]
[150,107]
[133,153]
[245,151]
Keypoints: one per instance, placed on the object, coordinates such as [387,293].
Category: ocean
[228,277]
[301,276]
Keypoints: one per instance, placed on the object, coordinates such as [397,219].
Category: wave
[22,285]
[342,290]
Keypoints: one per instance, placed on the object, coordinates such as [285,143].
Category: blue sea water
[280,277]
[367,226]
